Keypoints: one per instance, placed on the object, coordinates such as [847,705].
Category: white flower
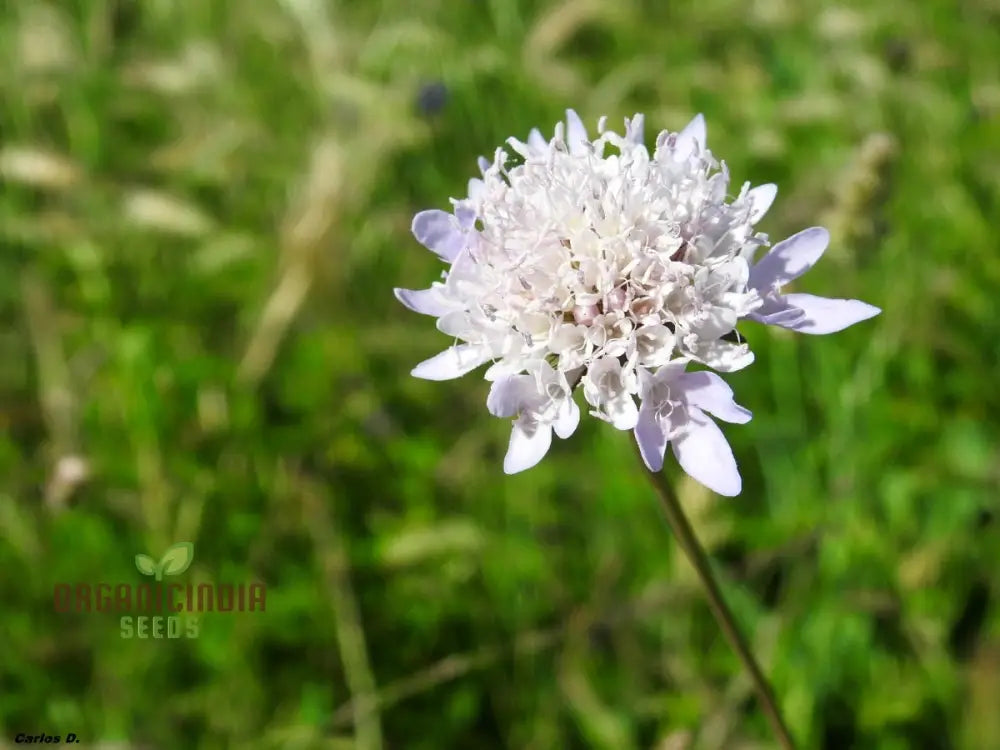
[614,243]
[674,406]
[594,263]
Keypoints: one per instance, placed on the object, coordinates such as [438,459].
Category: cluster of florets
[593,265]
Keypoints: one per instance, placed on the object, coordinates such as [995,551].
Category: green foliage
[204,207]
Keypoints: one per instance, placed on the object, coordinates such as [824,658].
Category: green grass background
[204,206]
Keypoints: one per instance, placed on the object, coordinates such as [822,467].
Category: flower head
[593,263]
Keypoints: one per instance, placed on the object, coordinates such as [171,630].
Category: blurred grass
[203,209]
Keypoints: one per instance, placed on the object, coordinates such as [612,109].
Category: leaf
[177,559]
[145,564]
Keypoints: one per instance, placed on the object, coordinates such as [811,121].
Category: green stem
[696,555]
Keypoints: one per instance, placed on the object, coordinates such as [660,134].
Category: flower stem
[723,615]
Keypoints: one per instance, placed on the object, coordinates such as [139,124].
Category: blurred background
[204,207]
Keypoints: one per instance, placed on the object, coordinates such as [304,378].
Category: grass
[204,207]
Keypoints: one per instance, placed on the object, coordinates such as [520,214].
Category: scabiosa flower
[591,264]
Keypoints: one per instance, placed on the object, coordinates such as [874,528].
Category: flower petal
[623,412]
[784,317]
[424,301]
[527,447]
[652,345]
[465,210]
[776,311]
[634,129]
[537,141]
[576,133]
[438,231]
[761,198]
[667,373]
[713,321]
[703,452]
[692,138]
[458,324]
[789,259]
[503,368]
[650,438]
[724,356]
[508,394]
[567,419]
[826,315]
[452,363]
[709,392]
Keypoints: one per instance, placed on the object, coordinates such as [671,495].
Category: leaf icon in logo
[145,564]
[176,559]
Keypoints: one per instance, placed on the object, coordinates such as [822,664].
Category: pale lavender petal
[483,163]
[507,395]
[438,231]
[634,129]
[692,138]
[462,272]
[537,141]
[647,379]
[527,447]
[465,212]
[776,311]
[650,438]
[664,374]
[452,363]
[567,419]
[703,452]
[789,259]
[476,189]
[825,315]
[761,198]
[576,133]
[785,318]
[424,301]
[709,392]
